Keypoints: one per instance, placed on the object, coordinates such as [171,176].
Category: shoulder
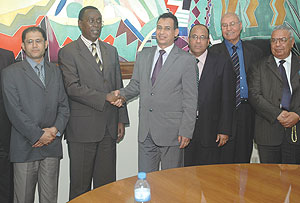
[13,68]
[5,52]
[106,45]
[217,47]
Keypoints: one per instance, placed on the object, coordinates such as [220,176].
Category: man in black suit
[215,101]
[239,147]
[6,173]
[274,92]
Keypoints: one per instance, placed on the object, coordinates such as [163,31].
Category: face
[231,28]
[34,46]
[281,43]
[198,40]
[165,33]
[91,24]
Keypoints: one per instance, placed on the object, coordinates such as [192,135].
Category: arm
[262,106]
[21,122]
[189,103]
[76,90]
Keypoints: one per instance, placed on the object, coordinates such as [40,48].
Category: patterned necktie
[236,67]
[286,92]
[94,53]
[40,73]
[197,72]
[157,66]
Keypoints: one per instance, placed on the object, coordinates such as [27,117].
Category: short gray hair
[284,27]
[231,14]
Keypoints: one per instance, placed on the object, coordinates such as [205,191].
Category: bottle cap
[142,175]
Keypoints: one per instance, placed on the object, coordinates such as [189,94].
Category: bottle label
[142,194]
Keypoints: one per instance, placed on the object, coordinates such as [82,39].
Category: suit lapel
[206,70]
[271,64]
[104,57]
[167,65]
[87,55]
[31,73]
[48,73]
[150,64]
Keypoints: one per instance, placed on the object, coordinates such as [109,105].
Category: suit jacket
[6,58]
[168,108]
[31,106]
[216,100]
[87,87]
[265,92]
[251,54]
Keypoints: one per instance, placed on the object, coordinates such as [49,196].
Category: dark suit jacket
[252,54]
[216,100]
[6,58]
[265,92]
[31,106]
[87,87]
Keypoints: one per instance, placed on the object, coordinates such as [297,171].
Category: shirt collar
[229,44]
[87,42]
[33,63]
[167,49]
[287,59]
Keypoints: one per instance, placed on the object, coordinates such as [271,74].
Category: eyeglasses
[280,40]
[31,41]
[231,24]
[196,37]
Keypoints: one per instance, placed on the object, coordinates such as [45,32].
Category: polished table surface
[213,183]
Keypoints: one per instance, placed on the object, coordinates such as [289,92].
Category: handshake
[115,98]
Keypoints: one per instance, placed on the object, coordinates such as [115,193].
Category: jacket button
[152,94]
[150,110]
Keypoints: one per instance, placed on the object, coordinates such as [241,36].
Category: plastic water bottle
[142,189]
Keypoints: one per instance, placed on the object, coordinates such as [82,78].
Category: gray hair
[230,14]
[285,27]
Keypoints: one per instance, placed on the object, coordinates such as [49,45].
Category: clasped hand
[48,137]
[288,119]
[115,98]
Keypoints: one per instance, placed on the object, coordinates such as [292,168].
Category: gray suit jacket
[87,87]
[31,106]
[168,108]
[265,92]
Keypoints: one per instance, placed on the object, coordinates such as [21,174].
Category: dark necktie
[157,66]
[197,72]
[94,53]
[39,72]
[236,67]
[286,93]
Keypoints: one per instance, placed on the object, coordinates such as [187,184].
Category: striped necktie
[94,53]
[236,68]
[40,73]
[197,72]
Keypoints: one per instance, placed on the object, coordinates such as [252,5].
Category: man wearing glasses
[274,92]
[37,106]
[215,79]
[243,55]
[91,71]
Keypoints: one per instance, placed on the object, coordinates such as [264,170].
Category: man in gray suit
[91,71]
[37,106]
[168,99]
[274,92]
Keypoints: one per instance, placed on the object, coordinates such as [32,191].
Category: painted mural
[129,25]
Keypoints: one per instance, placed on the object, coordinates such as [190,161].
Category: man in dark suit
[274,92]
[239,148]
[37,106]
[91,71]
[6,172]
[165,79]
[215,101]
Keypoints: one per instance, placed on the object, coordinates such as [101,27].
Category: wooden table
[215,183]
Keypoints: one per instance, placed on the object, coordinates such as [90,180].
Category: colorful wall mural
[129,25]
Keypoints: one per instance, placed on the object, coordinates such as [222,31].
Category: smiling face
[281,43]
[91,24]
[165,32]
[198,40]
[231,28]
[35,45]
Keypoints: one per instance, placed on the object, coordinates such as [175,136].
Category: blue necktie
[286,92]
